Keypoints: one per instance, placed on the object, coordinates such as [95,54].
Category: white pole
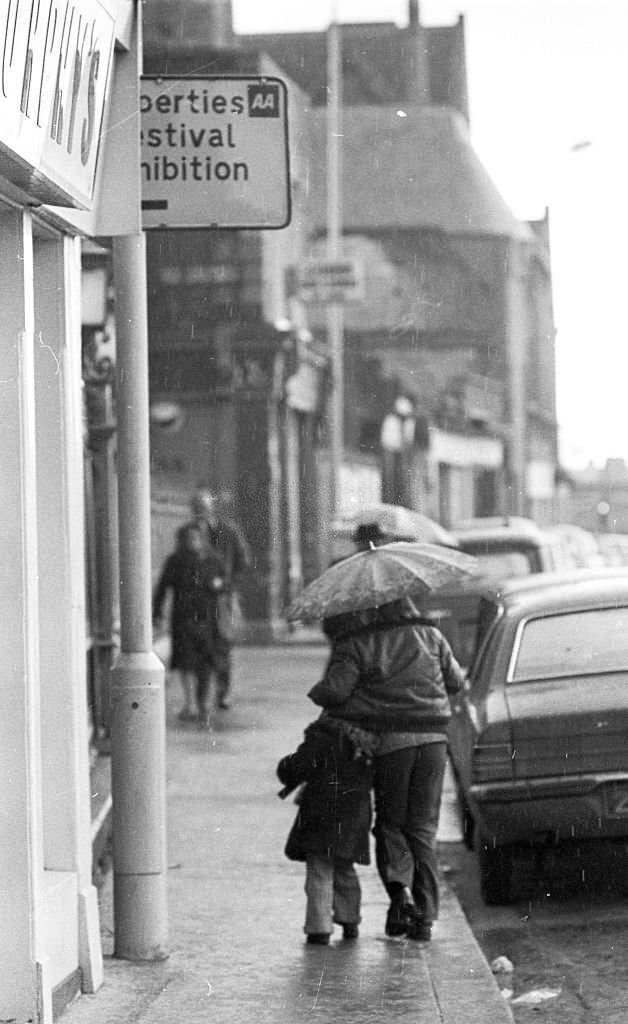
[335,318]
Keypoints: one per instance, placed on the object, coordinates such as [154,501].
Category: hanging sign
[215,152]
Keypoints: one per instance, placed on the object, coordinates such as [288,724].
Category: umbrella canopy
[403,523]
[378,576]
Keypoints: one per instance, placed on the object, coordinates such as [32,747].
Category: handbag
[230,618]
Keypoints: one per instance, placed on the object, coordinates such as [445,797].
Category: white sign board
[330,281]
[56,62]
[215,152]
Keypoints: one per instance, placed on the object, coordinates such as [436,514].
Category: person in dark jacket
[392,672]
[229,542]
[195,578]
[332,827]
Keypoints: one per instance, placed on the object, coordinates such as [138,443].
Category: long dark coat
[192,580]
[334,816]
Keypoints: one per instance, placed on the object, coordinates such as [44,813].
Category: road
[567,934]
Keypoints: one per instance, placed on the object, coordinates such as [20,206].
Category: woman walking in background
[195,577]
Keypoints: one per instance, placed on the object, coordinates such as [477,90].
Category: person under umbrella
[392,672]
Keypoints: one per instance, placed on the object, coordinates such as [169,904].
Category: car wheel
[496,873]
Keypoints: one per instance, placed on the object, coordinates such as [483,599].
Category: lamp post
[335,312]
[397,439]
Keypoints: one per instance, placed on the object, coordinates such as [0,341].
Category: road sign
[214,152]
[329,281]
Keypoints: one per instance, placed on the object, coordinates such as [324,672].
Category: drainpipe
[137,690]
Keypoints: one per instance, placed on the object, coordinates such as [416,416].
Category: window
[574,643]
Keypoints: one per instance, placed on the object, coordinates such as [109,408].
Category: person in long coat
[393,672]
[332,827]
[195,577]
[227,539]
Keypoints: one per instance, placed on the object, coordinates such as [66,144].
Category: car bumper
[567,807]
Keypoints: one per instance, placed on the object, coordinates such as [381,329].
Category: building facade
[448,353]
[59,182]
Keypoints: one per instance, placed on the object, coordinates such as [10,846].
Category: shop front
[56,183]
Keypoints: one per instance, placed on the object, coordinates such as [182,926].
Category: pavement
[236,905]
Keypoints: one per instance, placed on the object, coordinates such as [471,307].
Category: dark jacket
[394,674]
[334,816]
[195,583]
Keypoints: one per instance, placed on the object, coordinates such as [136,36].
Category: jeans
[408,788]
[333,894]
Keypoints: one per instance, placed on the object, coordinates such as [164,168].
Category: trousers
[333,893]
[408,790]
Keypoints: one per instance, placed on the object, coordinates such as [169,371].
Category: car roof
[498,528]
[548,590]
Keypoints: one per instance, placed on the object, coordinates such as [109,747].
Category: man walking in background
[227,540]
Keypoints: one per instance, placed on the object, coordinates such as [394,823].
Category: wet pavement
[236,904]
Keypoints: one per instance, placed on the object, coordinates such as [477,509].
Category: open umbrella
[378,576]
[403,523]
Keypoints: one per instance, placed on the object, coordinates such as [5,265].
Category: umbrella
[378,576]
[404,524]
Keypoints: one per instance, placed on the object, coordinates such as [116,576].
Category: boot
[401,912]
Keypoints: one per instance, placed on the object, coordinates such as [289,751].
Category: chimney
[417,59]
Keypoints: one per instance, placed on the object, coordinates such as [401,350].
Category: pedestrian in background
[391,672]
[227,539]
[332,828]
[195,577]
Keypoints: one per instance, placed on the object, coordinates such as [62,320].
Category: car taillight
[493,756]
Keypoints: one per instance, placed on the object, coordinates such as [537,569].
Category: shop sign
[214,152]
[54,77]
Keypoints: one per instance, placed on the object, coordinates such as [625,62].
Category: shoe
[420,931]
[224,704]
[318,939]
[350,931]
[203,719]
[187,715]
[401,912]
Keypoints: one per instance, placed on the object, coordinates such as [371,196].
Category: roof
[414,170]
[577,588]
[497,529]
[379,62]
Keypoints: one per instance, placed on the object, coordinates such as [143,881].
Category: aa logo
[263,100]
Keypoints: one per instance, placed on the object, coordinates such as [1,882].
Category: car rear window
[498,564]
[573,643]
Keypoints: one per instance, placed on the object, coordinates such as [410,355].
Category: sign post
[214,152]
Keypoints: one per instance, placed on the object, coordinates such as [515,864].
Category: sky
[548,88]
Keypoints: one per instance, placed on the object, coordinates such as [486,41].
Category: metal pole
[138,714]
[335,312]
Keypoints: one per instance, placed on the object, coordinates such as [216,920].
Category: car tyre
[496,873]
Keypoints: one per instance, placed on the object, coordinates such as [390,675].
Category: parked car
[613,547]
[394,522]
[581,544]
[539,739]
[505,547]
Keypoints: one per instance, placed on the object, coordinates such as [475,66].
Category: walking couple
[385,699]
[202,575]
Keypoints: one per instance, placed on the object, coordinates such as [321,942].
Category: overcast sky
[548,87]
